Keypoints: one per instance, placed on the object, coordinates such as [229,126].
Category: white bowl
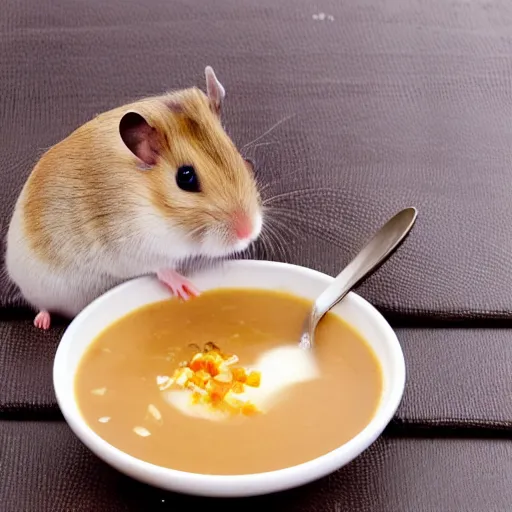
[255,274]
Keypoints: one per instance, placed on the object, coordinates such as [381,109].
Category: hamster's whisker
[259,158]
[270,130]
[284,252]
[260,248]
[253,251]
[248,253]
[281,178]
[302,192]
[286,242]
[268,247]
[262,188]
[294,214]
[278,244]
[299,217]
[296,217]
[272,211]
[269,143]
[288,228]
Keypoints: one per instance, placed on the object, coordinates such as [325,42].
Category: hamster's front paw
[42,320]
[178,285]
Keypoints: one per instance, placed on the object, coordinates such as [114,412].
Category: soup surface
[118,384]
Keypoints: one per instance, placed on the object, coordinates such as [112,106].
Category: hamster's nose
[242,225]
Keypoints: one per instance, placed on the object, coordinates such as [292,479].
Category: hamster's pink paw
[42,320]
[178,285]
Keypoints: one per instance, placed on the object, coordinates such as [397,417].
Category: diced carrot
[212,368]
[239,375]
[216,397]
[197,365]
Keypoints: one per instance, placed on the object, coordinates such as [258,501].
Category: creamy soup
[288,406]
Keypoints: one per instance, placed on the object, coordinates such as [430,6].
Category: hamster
[135,191]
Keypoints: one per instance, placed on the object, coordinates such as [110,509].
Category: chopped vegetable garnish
[215,382]
[253,379]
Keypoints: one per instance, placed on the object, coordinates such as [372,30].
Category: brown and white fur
[103,205]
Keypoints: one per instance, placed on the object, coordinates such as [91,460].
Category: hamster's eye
[186,178]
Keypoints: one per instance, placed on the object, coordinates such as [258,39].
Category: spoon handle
[372,254]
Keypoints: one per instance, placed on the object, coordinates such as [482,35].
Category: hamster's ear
[140,138]
[215,90]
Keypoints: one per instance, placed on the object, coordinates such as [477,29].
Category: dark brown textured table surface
[381,105]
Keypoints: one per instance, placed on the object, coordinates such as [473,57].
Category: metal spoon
[372,254]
